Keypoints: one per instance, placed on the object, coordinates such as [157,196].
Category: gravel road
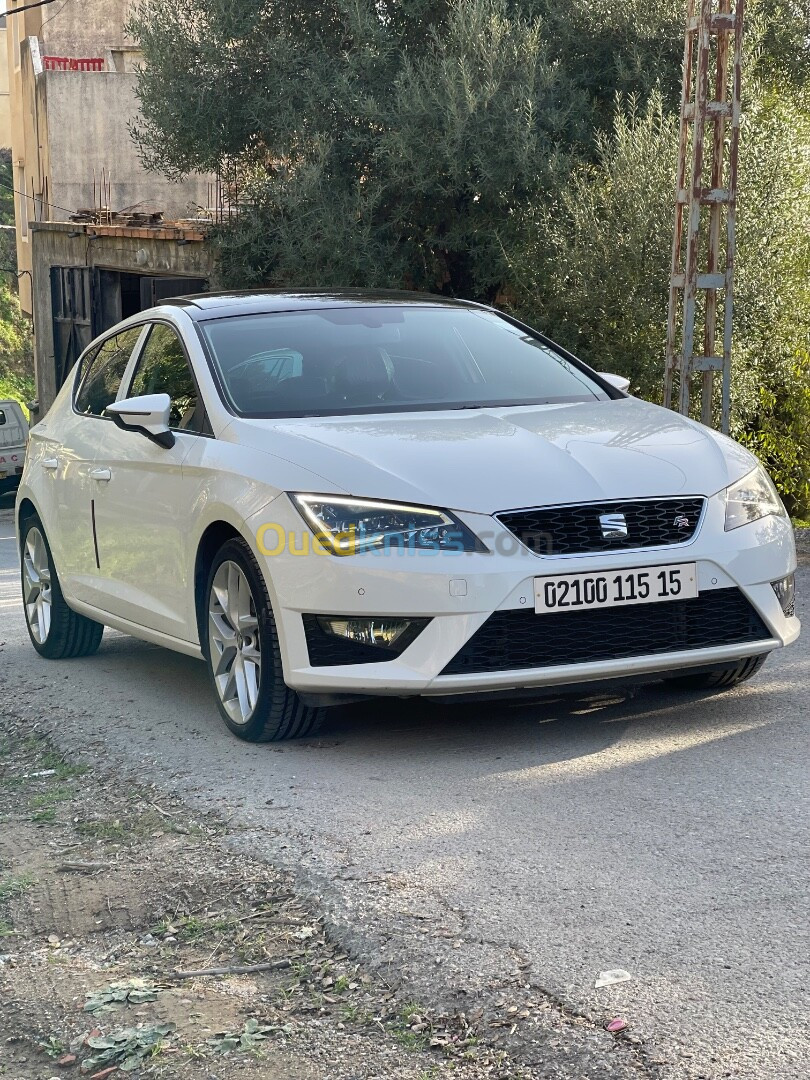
[658,833]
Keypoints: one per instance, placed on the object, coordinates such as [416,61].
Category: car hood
[486,460]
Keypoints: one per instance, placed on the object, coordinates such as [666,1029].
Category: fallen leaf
[616,1025]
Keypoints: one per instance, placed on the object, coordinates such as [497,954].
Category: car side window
[164,369]
[102,375]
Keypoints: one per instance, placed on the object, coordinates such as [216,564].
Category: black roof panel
[254,302]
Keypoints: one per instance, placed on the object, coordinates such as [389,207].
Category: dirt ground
[108,891]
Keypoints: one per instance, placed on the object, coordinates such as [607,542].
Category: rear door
[143,507]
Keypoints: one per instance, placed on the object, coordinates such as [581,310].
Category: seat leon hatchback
[332,495]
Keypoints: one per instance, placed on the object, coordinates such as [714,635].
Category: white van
[13,437]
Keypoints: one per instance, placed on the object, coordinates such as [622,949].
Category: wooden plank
[704,281]
[714,110]
[706,363]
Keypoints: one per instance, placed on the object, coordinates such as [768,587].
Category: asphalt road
[662,834]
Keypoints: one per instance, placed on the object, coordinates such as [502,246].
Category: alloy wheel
[37,580]
[233,642]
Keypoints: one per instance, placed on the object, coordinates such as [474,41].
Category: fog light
[394,634]
[785,590]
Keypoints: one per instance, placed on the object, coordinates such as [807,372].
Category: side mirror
[148,414]
[618,381]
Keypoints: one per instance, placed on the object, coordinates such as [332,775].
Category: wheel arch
[214,536]
[25,510]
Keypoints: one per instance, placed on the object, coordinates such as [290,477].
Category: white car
[333,495]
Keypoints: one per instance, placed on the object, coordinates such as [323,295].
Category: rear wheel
[721,678]
[55,630]
[243,655]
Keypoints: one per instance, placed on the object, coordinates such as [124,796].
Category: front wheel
[243,655]
[56,631]
[721,678]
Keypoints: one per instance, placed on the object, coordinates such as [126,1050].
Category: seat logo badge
[613,525]
[681,522]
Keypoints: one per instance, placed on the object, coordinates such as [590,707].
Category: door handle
[50,463]
[100,474]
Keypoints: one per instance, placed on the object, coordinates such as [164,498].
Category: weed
[409,1010]
[6,929]
[53,1047]
[223,926]
[62,769]
[12,887]
[48,798]
[101,830]
[411,1013]
[354,1014]
[196,1053]
[411,1040]
[192,928]
[341,984]
[44,817]
[301,970]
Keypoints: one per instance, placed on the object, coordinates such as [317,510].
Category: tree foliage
[520,152]
[16,348]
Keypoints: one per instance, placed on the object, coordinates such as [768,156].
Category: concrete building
[88,277]
[72,81]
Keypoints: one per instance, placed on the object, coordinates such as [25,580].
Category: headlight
[349,526]
[752,498]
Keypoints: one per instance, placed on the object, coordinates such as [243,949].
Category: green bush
[592,269]
[16,348]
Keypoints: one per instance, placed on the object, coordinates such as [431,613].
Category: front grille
[576,529]
[509,640]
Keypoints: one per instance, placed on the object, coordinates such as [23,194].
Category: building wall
[78,153]
[84,28]
[67,126]
[137,251]
[5,104]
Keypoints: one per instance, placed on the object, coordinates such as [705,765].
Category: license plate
[642,585]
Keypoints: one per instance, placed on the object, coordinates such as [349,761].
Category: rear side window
[103,374]
[163,369]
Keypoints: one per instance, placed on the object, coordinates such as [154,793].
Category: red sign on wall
[72,63]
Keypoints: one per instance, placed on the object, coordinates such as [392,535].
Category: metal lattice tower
[701,283]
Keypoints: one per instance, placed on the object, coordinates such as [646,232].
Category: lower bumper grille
[509,640]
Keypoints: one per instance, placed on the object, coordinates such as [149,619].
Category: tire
[243,656]
[56,631]
[721,678]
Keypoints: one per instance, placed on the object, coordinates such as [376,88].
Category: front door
[144,505]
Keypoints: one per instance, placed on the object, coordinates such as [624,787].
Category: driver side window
[103,373]
[163,369]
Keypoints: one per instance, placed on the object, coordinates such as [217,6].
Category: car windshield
[385,358]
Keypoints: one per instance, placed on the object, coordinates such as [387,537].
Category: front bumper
[460,591]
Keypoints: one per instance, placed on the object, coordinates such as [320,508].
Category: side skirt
[154,637]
